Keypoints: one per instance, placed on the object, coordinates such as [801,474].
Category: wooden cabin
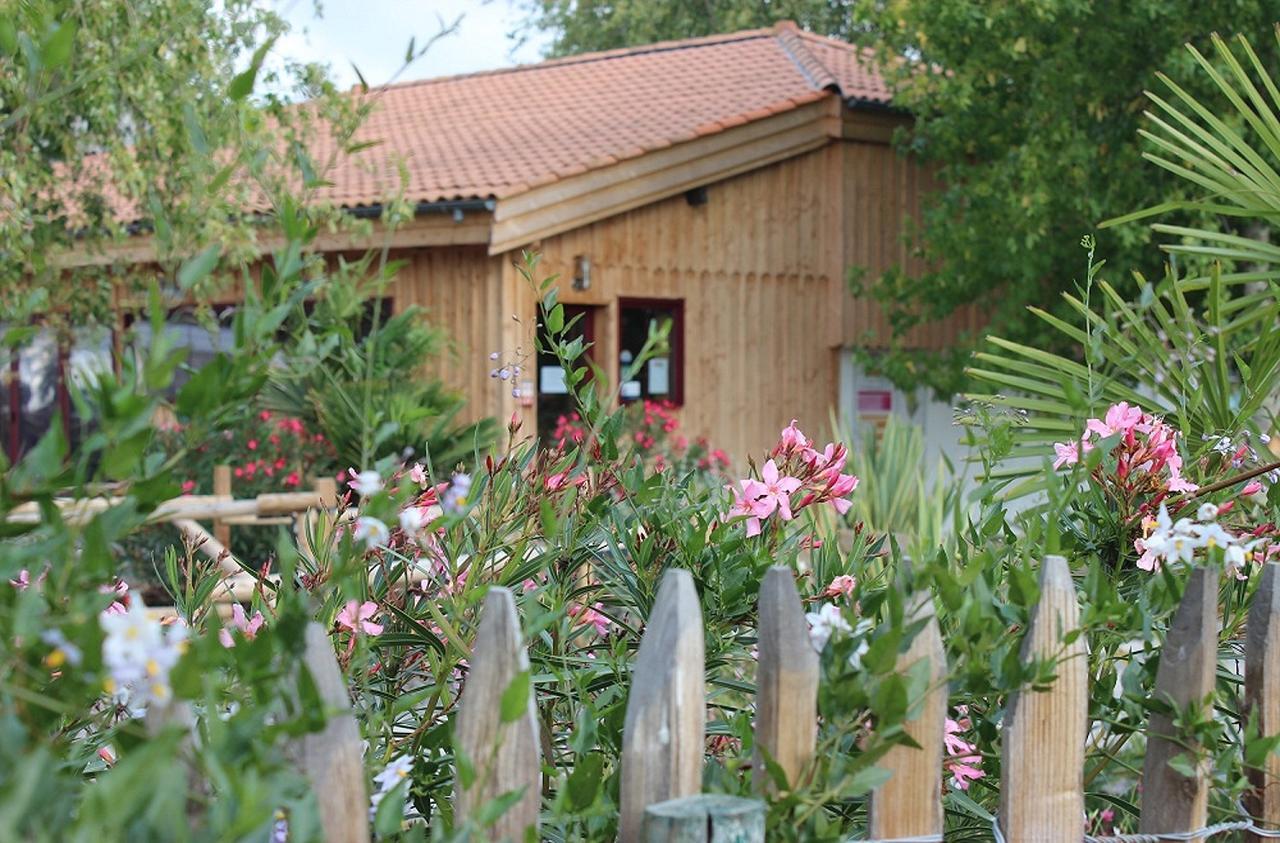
[728,183]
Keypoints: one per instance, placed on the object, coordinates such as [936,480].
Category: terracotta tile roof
[498,133]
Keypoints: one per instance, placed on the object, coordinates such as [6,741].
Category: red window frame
[675,341]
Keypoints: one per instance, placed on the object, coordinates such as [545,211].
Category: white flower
[367,483]
[395,772]
[413,519]
[1207,512]
[455,497]
[131,634]
[1236,556]
[138,653]
[855,658]
[1213,536]
[371,531]
[63,650]
[1180,547]
[823,623]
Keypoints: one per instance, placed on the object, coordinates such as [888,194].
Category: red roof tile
[493,134]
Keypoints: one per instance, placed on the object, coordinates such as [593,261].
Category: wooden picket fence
[1044,733]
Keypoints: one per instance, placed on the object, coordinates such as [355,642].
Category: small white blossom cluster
[138,653]
[828,620]
[394,773]
[1177,542]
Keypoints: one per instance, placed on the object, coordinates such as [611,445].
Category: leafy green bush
[358,376]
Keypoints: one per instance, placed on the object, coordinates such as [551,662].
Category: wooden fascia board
[871,127]
[580,200]
[426,230]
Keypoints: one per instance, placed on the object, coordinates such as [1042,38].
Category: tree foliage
[584,25]
[1030,115]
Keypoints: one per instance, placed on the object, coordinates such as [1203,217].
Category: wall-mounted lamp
[581,272]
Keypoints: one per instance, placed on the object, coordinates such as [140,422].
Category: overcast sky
[375,33]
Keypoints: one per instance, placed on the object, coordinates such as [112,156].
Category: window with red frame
[661,378]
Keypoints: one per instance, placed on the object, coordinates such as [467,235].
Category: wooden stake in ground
[502,750]
[1262,695]
[1170,800]
[909,804]
[786,682]
[222,487]
[665,729]
[1041,792]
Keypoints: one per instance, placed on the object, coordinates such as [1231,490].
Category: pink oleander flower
[745,504]
[840,489]
[358,617]
[791,439]
[1118,419]
[777,492]
[962,758]
[592,616]
[418,474]
[561,479]
[1251,488]
[1068,453]
[841,585]
[247,627]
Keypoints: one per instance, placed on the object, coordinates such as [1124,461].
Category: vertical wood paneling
[881,189]
[755,269]
[460,288]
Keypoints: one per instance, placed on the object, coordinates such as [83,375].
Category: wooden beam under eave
[870,126]
[432,229]
[583,199]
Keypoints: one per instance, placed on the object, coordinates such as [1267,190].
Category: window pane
[38,385]
[660,377]
[88,358]
[185,330]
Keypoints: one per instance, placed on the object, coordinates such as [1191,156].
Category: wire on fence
[1246,824]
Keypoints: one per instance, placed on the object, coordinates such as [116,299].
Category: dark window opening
[661,378]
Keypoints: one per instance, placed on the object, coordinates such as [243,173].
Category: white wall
[941,436]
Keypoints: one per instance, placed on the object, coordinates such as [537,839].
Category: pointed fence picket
[907,805]
[497,733]
[1262,695]
[786,682]
[1042,796]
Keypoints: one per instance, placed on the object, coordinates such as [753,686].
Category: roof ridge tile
[788,36]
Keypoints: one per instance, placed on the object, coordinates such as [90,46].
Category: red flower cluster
[268,454]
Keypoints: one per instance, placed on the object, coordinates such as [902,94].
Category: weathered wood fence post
[222,487]
[664,732]
[786,682]
[909,804]
[1041,791]
[333,758]
[1262,695]
[1188,664]
[504,756]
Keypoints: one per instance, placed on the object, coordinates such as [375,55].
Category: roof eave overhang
[455,222]
[569,203]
